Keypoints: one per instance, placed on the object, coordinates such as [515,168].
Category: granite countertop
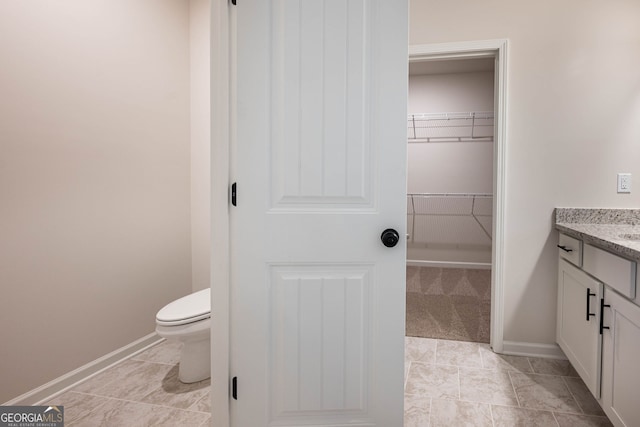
[616,230]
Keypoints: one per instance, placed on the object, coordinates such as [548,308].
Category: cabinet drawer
[570,249]
[614,271]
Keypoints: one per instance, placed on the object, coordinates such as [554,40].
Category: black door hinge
[234,388]
[233,194]
[233,2]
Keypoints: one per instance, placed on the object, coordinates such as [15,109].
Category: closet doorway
[450,136]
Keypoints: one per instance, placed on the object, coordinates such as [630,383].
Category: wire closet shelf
[461,217]
[450,127]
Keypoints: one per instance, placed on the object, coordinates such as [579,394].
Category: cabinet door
[620,364]
[578,320]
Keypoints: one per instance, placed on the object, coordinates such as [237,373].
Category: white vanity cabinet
[621,360]
[578,321]
[598,325]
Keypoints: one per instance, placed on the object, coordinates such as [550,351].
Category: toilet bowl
[188,320]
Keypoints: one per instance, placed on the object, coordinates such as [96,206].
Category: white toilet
[188,319]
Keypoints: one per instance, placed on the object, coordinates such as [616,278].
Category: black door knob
[390,237]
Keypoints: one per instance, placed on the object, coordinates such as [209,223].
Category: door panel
[620,370]
[317,301]
[579,336]
[321,77]
[320,322]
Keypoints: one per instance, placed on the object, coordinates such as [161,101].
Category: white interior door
[317,301]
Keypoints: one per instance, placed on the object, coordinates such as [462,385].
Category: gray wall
[200,143]
[450,167]
[573,123]
[94,179]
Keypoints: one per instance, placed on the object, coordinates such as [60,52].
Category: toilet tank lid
[196,304]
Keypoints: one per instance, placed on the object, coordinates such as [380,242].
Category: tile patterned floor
[447,383]
[141,391]
[454,383]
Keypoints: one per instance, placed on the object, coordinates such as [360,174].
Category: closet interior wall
[450,163]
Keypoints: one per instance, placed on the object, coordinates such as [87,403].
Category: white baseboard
[516,348]
[65,382]
[449,264]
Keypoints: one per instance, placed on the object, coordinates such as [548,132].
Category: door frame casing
[221,126]
[497,49]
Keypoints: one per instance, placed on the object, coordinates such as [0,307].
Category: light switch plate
[624,183]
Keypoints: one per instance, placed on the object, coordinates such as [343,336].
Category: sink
[634,237]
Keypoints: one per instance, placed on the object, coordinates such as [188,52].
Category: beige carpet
[448,303]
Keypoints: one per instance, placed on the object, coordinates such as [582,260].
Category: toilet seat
[188,309]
